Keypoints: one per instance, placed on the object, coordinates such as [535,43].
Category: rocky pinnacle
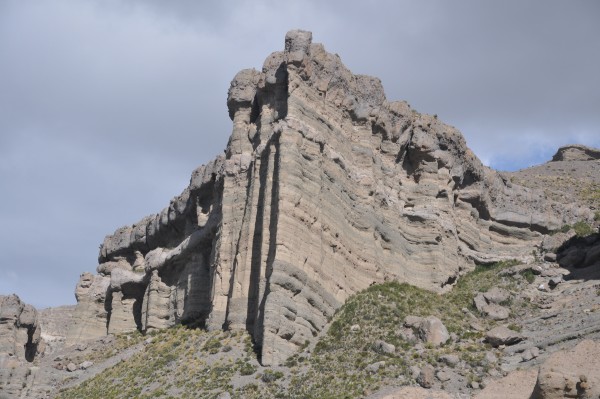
[325,188]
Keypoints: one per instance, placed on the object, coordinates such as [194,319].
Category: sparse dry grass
[188,363]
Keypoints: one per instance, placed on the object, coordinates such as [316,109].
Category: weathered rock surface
[426,376]
[503,336]
[576,152]
[516,385]
[573,373]
[89,318]
[20,343]
[20,332]
[573,176]
[325,188]
[433,331]
[489,303]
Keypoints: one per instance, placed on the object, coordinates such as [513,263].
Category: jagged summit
[326,187]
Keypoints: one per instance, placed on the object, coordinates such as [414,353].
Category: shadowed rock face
[325,188]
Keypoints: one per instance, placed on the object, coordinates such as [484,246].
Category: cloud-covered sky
[107,106]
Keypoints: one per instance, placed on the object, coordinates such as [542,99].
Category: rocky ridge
[327,188]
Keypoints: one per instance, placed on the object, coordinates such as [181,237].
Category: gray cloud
[107,106]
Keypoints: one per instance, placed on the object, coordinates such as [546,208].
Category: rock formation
[575,152]
[20,342]
[325,188]
[19,330]
[570,374]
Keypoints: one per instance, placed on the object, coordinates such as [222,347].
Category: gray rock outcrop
[488,303]
[20,343]
[20,332]
[576,152]
[503,336]
[325,188]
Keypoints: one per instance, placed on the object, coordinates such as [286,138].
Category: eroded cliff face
[325,188]
[20,343]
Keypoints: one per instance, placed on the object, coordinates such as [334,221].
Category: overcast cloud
[107,106]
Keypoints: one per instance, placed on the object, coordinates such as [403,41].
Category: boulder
[516,385]
[488,304]
[426,377]
[412,321]
[432,330]
[383,347]
[374,367]
[503,336]
[450,359]
[573,373]
[496,295]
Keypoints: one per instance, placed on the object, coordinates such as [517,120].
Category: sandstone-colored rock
[89,318]
[530,354]
[426,377]
[20,332]
[573,373]
[516,385]
[433,331]
[367,190]
[496,295]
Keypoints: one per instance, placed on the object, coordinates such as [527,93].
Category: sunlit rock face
[325,188]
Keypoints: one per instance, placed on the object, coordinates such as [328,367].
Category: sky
[107,106]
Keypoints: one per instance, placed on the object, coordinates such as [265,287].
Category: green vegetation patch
[174,365]
[582,229]
[192,363]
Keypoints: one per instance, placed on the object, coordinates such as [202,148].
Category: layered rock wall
[325,188]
